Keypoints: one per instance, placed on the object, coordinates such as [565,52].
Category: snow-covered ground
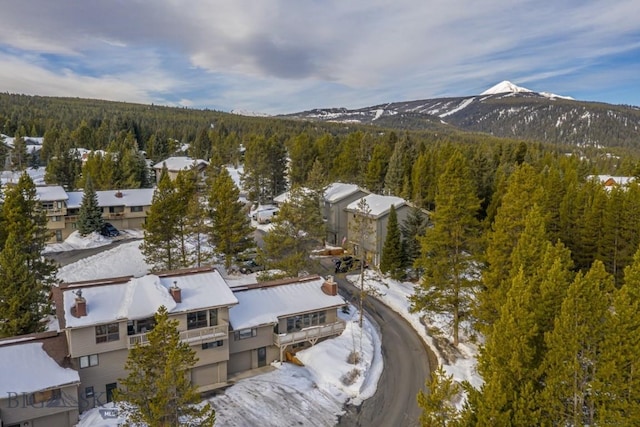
[313,395]
[396,294]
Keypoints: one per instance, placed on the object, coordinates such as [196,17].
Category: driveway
[407,363]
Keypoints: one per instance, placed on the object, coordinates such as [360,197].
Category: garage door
[239,362]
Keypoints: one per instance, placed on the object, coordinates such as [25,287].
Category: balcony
[191,337]
[311,334]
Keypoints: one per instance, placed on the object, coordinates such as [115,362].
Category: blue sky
[273,57]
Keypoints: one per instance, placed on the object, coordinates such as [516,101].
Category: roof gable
[378,205]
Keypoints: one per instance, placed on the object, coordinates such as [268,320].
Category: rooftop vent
[119,194]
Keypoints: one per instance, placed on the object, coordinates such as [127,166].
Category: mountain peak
[505,86]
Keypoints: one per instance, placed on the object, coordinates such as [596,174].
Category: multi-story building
[124,209]
[375,220]
[336,199]
[37,386]
[281,316]
[103,319]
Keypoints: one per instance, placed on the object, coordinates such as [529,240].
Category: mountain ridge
[505,110]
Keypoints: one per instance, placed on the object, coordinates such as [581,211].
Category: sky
[275,56]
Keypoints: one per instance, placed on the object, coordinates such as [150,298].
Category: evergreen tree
[157,390]
[413,228]
[230,230]
[25,275]
[502,239]
[24,300]
[161,227]
[574,348]
[362,229]
[297,230]
[64,165]
[377,168]
[392,258]
[399,170]
[264,168]
[438,407]
[90,214]
[617,383]
[448,248]
[185,186]
[19,155]
[302,154]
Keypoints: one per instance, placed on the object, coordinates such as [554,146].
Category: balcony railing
[309,334]
[192,337]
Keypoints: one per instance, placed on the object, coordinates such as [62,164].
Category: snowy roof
[37,176]
[378,205]
[284,197]
[51,193]
[338,191]
[179,163]
[139,298]
[28,368]
[132,197]
[619,180]
[264,305]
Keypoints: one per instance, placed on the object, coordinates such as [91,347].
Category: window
[86,361]
[45,396]
[74,225]
[213,317]
[245,333]
[107,333]
[136,208]
[56,218]
[296,323]
[47,206]
[88,391]
[214,344]
[59,205]
[58,235]
[197,319]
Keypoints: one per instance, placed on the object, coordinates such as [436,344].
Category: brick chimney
[330,287]
[176,292]
[79,308]
[119,194]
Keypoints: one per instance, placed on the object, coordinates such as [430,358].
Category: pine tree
[24,300]
[230,230]
[574,348]
[617,383]
[449,246]
[297,230]
[392,258]
[377,168]
[362,229]
[502,239]
[185,186]
[19,156]
[438,407]
[90,214]
[157,390]
[161,227]
[25,275]
[413,228]
[64,165]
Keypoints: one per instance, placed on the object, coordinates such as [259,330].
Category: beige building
[336,199]
[375,220]
[282,316]
[103,319]
[38,388]
[124,209]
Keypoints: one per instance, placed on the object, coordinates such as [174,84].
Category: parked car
[265,216]
[251,266]
[109,230]
[347,263]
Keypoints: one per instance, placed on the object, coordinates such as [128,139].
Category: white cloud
[276,55]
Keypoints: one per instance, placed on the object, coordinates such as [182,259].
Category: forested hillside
[539,258]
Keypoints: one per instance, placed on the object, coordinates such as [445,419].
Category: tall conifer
[90,214]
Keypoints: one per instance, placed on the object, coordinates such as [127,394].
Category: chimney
[79,309]
[176,292]
[330,287]
[119,194]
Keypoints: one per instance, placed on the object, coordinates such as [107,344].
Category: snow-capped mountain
[506,110]
[505,86]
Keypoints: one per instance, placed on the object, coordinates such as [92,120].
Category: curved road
[406,367]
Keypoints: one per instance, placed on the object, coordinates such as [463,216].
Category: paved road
[406,367]
[69,257]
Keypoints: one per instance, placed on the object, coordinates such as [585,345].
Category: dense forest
[524,245]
